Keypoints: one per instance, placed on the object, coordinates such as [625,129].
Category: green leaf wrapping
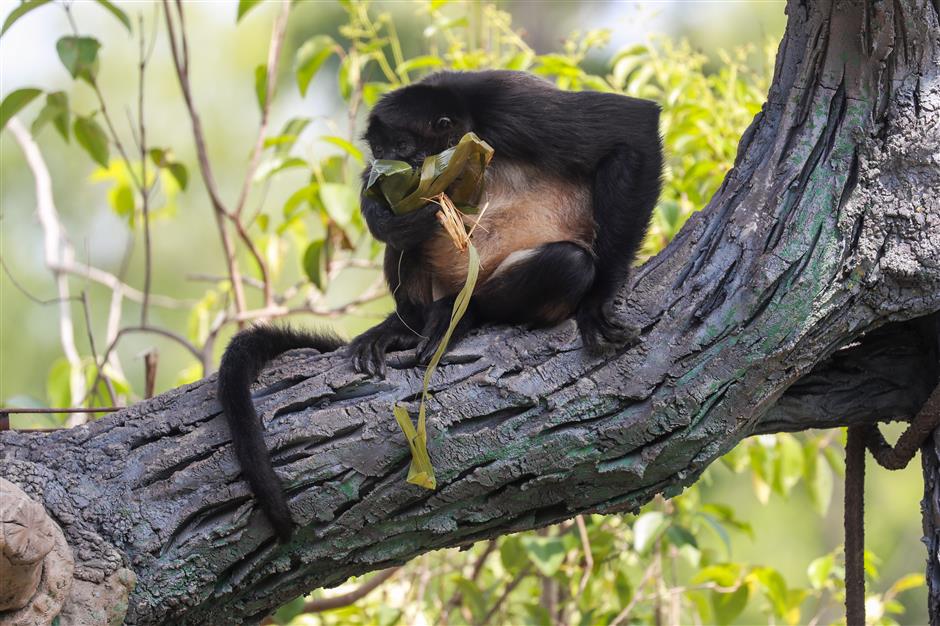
[421,472]
[458,171]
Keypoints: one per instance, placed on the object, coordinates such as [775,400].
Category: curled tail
[245,356]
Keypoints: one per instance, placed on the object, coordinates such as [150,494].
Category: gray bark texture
[800,297]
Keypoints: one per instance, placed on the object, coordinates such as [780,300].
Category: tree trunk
[827,228]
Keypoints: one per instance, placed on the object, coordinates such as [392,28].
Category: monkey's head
[415,121]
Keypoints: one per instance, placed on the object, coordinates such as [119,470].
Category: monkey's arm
[401,232]
[626,186]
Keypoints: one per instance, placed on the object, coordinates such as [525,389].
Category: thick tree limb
[827,228]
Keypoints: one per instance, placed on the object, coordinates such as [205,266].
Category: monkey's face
[413,122]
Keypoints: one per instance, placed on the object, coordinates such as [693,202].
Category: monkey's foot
[601,331]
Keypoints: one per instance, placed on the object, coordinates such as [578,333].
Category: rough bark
[827,228]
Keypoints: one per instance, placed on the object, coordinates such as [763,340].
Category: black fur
[608,142]
[245,356]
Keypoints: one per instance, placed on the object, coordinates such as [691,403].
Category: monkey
[568,197]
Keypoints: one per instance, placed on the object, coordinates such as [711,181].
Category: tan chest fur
[523,210]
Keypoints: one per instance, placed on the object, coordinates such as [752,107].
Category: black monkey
[569,194]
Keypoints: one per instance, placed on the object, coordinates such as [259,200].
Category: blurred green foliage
[671,562]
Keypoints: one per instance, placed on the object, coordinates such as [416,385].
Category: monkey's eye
[443,123]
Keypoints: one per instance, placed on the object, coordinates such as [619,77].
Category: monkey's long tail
[243,360]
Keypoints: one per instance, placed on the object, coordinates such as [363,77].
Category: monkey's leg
[539,286]
[626,187]
[410,284]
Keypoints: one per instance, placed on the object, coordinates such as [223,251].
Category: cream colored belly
[522,212]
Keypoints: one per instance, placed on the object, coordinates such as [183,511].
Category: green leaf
[546,553]
[304,194]
[910,581]
[261,85]
[20,11]
[819,570]
[512,554]
[57,111]
[315,263]
[680,536]
[179,173]
[646,529]
[818,479]
[310,57]
[371,92]
[91,137]
[473,597]
[116,12]
[346,146]
[289,611]
[164,160]
[244,6]
[905,583]
[121,198]
[288,136]
[417,63]
[79,55]
[340,202]
[789,462]
[15,101]
[775,588]
[727,606]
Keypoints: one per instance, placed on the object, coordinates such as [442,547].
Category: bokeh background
[781,516]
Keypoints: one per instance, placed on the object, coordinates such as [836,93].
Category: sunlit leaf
[371,92]
[646,529]
[79,55]
[310,58]
[418,63]
[244,6]
[19,12]
[340,201]
[346,147]
[92,138]
[261,85]
[15,101]
[819,570]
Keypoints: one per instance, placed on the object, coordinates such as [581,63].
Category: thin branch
[588,555]
[320,605]
[144,189]
[56,250]
[457,599]
[94,352]
[274,52]
[180,52]
[487,619]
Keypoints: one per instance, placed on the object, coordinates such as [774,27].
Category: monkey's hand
[601,330]
[402,232]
